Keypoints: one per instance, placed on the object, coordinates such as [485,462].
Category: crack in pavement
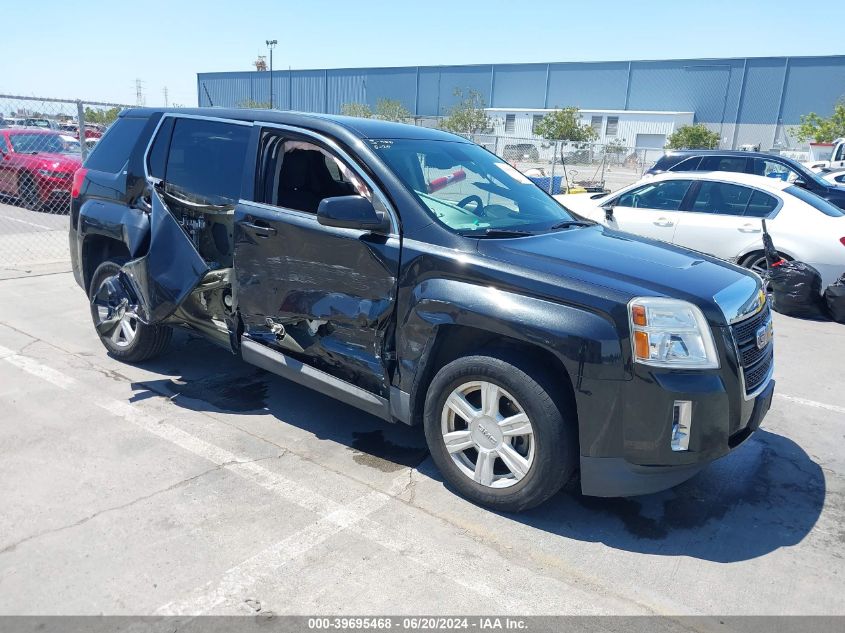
[184,482]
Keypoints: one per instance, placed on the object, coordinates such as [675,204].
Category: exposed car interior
[299,175]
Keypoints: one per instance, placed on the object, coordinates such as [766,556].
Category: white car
[834,176]
[720,213]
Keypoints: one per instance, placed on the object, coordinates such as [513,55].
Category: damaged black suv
[413,274]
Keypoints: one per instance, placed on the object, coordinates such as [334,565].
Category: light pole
[271,44]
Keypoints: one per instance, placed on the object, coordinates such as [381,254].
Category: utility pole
[164,90]
[139,93]
[271,44]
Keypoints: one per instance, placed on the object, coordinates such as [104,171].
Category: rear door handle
[663,222]
[261,229]
[750,228]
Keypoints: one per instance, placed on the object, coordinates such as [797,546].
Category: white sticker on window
[514,173]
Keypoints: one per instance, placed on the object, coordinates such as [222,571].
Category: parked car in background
[411,273]
[757,163]
[37,168]
[834,176]
[837,158]
[720,213]
[44,123]
[71,144]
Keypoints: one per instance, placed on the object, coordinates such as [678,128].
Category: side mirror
[352,212]
[608,211]
[799,182]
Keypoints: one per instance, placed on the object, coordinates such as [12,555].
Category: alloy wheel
[487,434]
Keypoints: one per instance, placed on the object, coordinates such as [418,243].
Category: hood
[627,264]
[57,162]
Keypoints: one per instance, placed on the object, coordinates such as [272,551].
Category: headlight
[671,333]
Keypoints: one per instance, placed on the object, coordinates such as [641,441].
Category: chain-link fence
[561,167]
[42,143]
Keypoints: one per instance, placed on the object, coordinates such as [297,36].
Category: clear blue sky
[97,51]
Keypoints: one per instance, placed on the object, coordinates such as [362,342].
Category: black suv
[759,163]
[417,276]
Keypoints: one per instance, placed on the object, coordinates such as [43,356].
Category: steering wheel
[479,204]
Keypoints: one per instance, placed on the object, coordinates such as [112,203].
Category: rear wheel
[497,435]
[757,262]
[124,336]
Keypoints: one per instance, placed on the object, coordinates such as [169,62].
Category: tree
[822,129]
[392,110]
[697,136]
[103,117]
[361,110]
[565,125]
[467,116]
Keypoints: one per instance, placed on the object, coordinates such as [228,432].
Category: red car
[36,168]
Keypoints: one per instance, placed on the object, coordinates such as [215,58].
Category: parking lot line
[810,403]
[38,226]
[335,517]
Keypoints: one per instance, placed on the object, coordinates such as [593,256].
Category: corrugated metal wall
[735,96]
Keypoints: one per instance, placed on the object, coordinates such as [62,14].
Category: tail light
[842,240]
[78,179]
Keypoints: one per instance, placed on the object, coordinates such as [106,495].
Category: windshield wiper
[498,233]
[566,224]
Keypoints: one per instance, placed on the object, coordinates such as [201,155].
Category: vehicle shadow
[204,377]
[766,495]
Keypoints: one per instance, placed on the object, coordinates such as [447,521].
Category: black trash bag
[796,290]
[834,297]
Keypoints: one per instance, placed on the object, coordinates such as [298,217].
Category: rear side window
[157,160]
[815,201]
[112,152]
[722,163]
[206,160]
[721,198]
[761,205]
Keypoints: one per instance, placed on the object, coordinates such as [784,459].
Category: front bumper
[618,477]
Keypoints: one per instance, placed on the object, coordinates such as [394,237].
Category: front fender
[586,342]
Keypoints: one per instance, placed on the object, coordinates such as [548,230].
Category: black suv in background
[413,274]
[759,163]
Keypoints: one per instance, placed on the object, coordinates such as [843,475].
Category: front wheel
[497,434]
[127,339]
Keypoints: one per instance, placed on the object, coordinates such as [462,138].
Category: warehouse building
[749,101]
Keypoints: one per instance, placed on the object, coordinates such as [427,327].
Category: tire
[752,261]
[28,194]
[549,451]
[146,342]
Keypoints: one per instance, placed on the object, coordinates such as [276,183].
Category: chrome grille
[756,363]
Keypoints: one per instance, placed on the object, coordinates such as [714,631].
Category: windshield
[37,143]
[815,201]
[469,189]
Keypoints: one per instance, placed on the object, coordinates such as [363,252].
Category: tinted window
[761,205]
[774,169]
[721,198]
[206,160]
[690,164]
[722,163]
[815,201]
[157,160]
[112,151]
[666,196]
